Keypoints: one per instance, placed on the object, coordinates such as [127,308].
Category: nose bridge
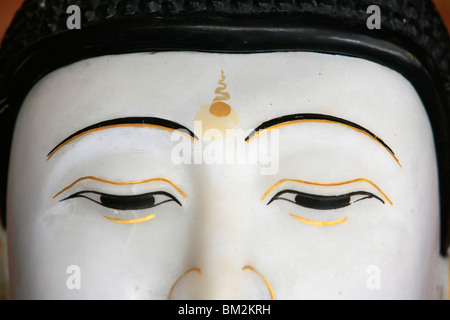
[220,237]
[220,220]
[220,262]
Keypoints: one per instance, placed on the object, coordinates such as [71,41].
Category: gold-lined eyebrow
[314,117]
[327,184]
[150,122]
[183,194]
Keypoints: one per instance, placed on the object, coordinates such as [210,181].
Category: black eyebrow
[299,117]
[127,121]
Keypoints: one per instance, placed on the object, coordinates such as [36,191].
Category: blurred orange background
[444,8]
[9,7]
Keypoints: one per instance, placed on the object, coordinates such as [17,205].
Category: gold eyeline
[190,270]
[319,223]
[322,121]
[122,183]
[118,126]
[272,294]
[142,219]
[327,184]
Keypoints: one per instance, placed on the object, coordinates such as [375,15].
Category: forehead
[174,84]
[261,87]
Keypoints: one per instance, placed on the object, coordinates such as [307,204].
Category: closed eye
[321,202]
[120,202]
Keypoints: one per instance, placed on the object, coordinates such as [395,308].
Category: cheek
[308,260]
[48,236]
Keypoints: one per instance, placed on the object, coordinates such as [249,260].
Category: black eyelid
[125,198]
[341,199]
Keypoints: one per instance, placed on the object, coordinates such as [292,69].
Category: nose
[220,262]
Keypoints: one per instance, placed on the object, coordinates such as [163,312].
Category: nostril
[272,294]
[176,282]
[183,286]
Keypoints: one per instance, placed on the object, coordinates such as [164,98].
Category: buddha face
[183,175]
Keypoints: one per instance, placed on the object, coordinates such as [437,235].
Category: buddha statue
[226,150]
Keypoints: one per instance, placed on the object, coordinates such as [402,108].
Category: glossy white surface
[381,251]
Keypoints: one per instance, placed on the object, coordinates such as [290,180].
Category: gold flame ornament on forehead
[219,108]
[217,117]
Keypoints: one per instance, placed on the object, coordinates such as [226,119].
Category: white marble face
[337,198]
